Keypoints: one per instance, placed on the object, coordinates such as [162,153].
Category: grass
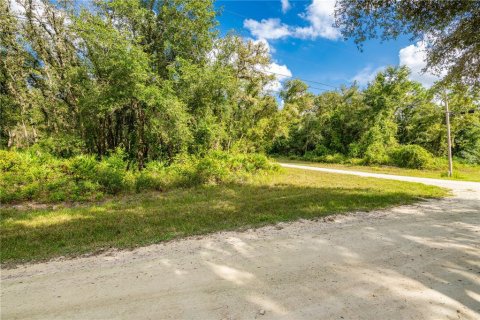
[32,235]
[461,171]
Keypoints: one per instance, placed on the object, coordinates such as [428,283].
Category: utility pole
[449,138]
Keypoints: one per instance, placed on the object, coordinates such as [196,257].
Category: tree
[125,104]
[154,79]
[449,28]
[342,117]
[207,92]
[389,93]
[254,120]
[465,125]
[166,29]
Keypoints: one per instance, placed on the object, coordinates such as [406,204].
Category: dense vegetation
[114,96]
[393,121]
[150,77]
[39,176]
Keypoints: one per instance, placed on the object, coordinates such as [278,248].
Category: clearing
[419,261]
[152,217]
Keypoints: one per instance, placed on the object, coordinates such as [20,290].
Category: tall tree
[449,28]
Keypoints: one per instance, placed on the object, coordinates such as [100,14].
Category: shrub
[212,169]
[220,167]
[308,156]
[321,150]
[153,177]
[20,176]
[36,175]
[411,156]
[354,150]
[355,161]
[328,158]
[111,172]
[376,154]
[86,190]
[83,167]
[9,160]
[334,158]
[256,162]
[110,179]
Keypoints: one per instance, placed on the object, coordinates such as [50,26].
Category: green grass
[461,171]
[29,235]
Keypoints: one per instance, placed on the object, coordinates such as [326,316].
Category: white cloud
[366,75]
[414,57]
[281,70]
[320,14]
[320,18]
[267,28]
[285,5]
[281,73]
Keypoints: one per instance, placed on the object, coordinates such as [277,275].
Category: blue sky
[303,42]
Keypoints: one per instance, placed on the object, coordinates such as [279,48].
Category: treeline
[393,121]
[150,77]
[154,79]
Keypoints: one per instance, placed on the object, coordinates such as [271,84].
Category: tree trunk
[141,135]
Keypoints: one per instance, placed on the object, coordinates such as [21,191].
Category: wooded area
[155,79]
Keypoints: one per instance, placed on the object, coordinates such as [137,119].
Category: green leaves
[373,124]
[450,29]
[154,78]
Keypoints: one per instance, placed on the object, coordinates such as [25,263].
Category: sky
[304,44]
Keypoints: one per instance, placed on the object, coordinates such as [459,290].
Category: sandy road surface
[411,262]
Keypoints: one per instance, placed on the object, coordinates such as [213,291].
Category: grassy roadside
[461,172]
[29,235]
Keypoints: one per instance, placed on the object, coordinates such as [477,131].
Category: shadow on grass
[154,217]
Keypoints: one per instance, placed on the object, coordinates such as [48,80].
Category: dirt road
[411,262]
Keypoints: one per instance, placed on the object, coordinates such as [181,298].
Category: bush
[219,167]
[153,177]
[321,150]
[411,156]
[83,167]
[355,161]
[328,158]
[354,150]
[334,158]
[63,146]
[9,160]
[376,154]
[111,173]
[39,176]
